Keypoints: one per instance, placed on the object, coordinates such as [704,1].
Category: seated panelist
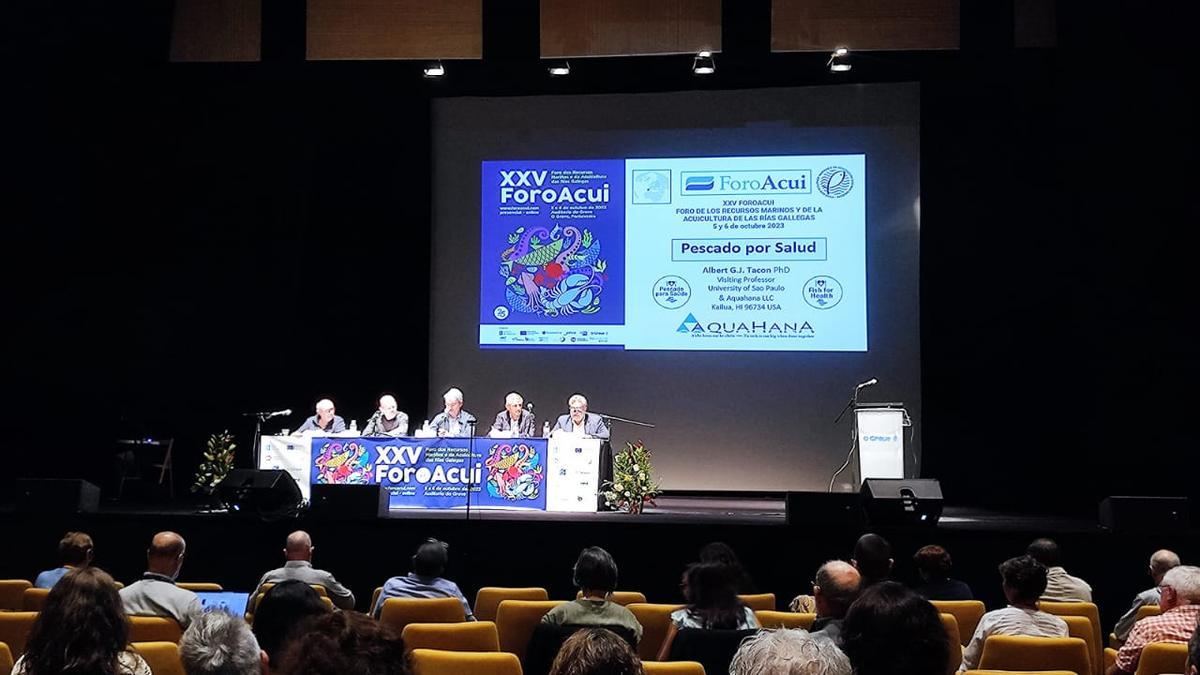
[580,421]
[387,421]
[453,421]
[514,421]
[324,422]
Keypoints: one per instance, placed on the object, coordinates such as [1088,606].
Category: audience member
[1193,658]
[835,588]
[74,551]
[933,564]
[789,652]
[720,552]
[890,630]
[596,651]
[873,558]
[339,643]
[595,575]
[156,594]
[1180,605]
[425,580]
[81,629]
[712,604]
[220,644]
[1060,586]
[298,553]
[1162,561]
[283,608]
[1024,580]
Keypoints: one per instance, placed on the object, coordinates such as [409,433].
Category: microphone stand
[853,402]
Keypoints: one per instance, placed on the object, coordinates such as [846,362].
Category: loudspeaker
[826,510]
[57,495]
[902,501]
[261,490]
[1145,514]
[348,501]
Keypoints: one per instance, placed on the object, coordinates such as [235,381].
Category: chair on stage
[468,636]
[14,630]
[199,586]
[488,599]
[33,599]
[673,668]
[966,612]
[6,660]
[399,612]
[621,598]
[765,601]
[1020,652]
[655,619]
[515,621]
[438,662]
[11,591]
[154,629]
[772,619]
[1162,657]
[162,657]
[954,644]
[166,474]
[1085,609]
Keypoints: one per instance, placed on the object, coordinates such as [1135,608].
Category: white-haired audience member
[1180,605]
[387,420]
[219,644]
[514,421]
[298,554]
[788,652]
[1160,563]
[579,421]
[325,421]
[453,420]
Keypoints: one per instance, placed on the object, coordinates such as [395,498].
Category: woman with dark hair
[722,553]
[711,593]
[338,643]
[596,651]
[890,630]
[282,610]
[595,575]
[933,564]
[81,630]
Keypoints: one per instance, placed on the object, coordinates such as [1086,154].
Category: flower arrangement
[633,485]
[218,462]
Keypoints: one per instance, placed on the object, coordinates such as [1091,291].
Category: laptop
[224,601]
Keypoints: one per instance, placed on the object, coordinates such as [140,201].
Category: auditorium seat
[6,660]
[268,586]
[399,612]
[714,649]
[154,629]
[548,638]
[655,619]
[1081,627]
[438,662]
[250,615]
[374,600]
[1020,652]
[162,657]
[1088,610]
[10,594]
[14,630]
[33,599]
[769,618]
[516,619]
[954,644]
[966,612]
[1142,612]
[760,601]
[488,599]
[1162,657]
[468,636]
[201,586]
[673,668]
[621,598]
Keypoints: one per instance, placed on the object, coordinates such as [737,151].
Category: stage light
[435,69]
[838,62]
[560,69]
[703,64]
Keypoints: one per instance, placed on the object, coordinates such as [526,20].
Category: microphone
[868,383]
[277,413]
[529,406]
[469,418]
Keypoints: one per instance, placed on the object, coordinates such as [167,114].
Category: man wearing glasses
[1160,563]
[580,421]
[1180,605]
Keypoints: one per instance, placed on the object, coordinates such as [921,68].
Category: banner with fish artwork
[438,473]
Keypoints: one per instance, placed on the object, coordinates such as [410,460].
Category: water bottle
[354,425]
[546,429]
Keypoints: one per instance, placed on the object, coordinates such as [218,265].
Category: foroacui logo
[773,182]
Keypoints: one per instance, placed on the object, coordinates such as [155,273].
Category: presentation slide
[762,253]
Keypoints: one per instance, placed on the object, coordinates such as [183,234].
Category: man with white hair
[325,421]
[580,421]
[786,651]
[453,420]
[387,421]
[219,644]
[1160,563]
[298,554]
[1180,605]
[514,421]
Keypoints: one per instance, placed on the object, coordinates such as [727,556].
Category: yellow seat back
[759,601]
[516,619]
[468,636]
[488,599]
[438,662]
[10,594]
[162,657]
[673,668]
[33,599]
[199,586]
[1020,652]
[655,619]
[154,629]
[954,642]
[769,618]
[621,598]
[399,612]
[14,630]
[1081,627]
[6,660]
[966,612]
[1085,609]
[1162,657]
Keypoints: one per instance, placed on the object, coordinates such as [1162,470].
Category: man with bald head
[156,593]
[1160,563]
[388,420]
[298,553]
[835,588]
[325,421]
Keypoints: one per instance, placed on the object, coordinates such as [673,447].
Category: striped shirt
[1174,625]
[1011,621]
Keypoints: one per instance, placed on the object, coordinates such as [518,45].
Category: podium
[574,470]
[879,431]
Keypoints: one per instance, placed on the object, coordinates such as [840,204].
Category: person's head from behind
[595,572]
[82,628]
[1045,551]
[891,630]
[835,588]
[788,652]
[720,552]
[165,555]
[299,546]
[282,609]
[75,550]
[711,593]
[1180,586]
[932,563]
[1162,561]
[596,651]
[873,558]
[217,643]
[431,558]
[339,643]
[1024,580]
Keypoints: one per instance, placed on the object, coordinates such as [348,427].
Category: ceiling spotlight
[560,69]
[435,69]
[838,61]
[703,64]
